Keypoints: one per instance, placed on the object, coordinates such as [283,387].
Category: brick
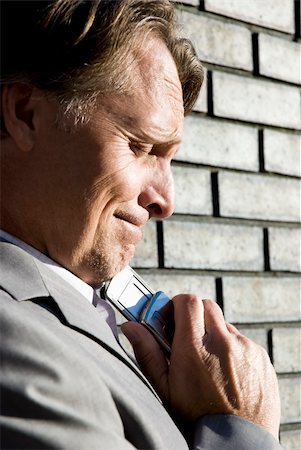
[291,439]
[259,197]
[255,100]
[188,2]
[181,283]
[290,394]
[261,299]
[207,35]
[279,58]
[218,143]
[287,349]
[211,246]
[146,254]
[285,249]
[256,335]
[298,27]
[193,190]
[277,14]
[282,152]
[202,100]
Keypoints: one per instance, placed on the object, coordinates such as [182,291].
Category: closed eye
[166,150]
[140,148]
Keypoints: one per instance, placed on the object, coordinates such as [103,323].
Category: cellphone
[137,301]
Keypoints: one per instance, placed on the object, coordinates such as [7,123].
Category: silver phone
[137,301]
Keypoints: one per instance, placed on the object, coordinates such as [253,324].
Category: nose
[158,195]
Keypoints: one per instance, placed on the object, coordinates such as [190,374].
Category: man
[93,99]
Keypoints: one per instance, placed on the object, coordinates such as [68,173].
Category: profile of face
[100,183]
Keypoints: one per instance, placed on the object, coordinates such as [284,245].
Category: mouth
[130,228]
[136,221]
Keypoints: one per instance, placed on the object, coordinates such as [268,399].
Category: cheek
[109,192]
[126,183]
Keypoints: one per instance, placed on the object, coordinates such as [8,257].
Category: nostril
[158,202]
[155,210]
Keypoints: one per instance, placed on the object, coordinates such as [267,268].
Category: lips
[130,227]
[136,220]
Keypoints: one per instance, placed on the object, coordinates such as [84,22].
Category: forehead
[153,110]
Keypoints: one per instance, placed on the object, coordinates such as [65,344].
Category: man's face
[103,181]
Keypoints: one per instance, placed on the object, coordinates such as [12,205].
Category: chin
[101,267]
[124,259]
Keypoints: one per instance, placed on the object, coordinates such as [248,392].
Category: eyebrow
[169,143]
[152,139]
[149,135]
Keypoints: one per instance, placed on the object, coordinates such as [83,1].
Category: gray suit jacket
[66,382]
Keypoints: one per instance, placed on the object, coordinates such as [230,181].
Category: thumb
[149,355]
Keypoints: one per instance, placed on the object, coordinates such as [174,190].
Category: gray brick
[259,197]
[257,335]
[279,58]
[146,254]
[291,439]
[193,190]
[290,395]
[255,100]
[201,103]
[211,246]
[182,283]
[261,299]
[278,14]
[188,2]
[299,19]
[207,35]
[285,249]
[218,143]
[282,152]
[287,349]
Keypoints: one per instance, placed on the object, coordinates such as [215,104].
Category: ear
[18,111]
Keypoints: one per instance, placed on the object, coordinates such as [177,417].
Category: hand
[213,369]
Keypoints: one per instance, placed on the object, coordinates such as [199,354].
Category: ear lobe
[18,110]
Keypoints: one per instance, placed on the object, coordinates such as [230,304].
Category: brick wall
[235,235]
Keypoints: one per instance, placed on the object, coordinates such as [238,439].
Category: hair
[77,49]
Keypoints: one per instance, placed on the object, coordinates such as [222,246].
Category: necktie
[106,311]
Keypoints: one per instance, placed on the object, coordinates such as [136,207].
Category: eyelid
[140,148]
[166,150]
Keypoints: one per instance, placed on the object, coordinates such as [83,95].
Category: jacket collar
[26,278]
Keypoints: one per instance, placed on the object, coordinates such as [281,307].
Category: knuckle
[192,298]
[186,298]
[212,308]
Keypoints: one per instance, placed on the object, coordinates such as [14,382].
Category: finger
[188,315]
[149,356]
[232,329]
[213,317]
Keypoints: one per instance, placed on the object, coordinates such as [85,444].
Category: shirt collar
[83,288]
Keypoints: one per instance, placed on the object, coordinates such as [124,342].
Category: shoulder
[41,378]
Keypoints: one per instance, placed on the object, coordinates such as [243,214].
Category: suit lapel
[26,278]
